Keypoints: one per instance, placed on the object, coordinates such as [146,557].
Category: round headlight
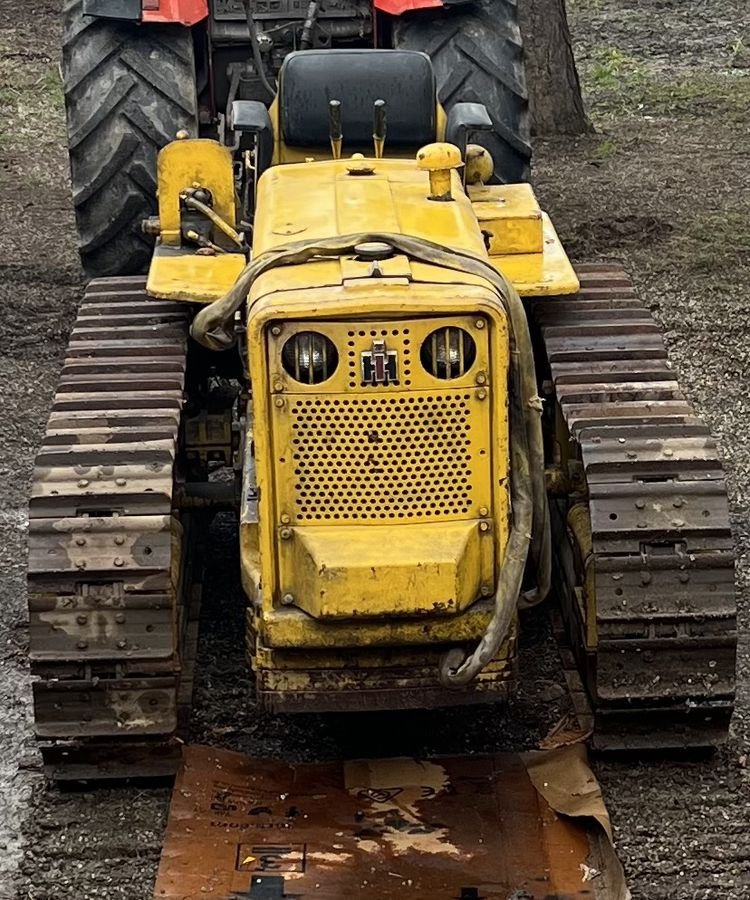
[448,352]
[309,357]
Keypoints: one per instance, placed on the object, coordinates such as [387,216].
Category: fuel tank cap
[372,250]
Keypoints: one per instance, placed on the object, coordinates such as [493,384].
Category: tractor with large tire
[138,71]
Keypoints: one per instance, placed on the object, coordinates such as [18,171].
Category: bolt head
[119,561]
[479,323]
[481,394]
[276,331]
[285,534]
[484,526]
[287,599]
[279,401]
[82,645]
[83,482]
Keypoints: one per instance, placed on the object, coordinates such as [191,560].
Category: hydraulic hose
[211,214]
[213,327]
[260,68]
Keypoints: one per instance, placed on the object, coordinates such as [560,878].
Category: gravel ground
[662,185]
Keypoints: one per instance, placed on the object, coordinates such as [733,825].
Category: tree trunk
[554,90]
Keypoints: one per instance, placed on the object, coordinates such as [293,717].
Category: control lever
[334,127]
[378,127]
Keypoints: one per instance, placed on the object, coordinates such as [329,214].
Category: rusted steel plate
[459,827]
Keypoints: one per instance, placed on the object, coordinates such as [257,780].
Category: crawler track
[112,599]
[648,588]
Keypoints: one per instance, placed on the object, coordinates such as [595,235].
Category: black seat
[309,79]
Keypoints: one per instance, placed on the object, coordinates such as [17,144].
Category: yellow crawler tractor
[425,418]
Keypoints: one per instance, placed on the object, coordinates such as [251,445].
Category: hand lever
[378,127]
[334,127]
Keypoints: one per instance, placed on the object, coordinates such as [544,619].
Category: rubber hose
[260,69]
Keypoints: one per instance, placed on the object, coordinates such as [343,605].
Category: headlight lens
[309,357]
[448,352]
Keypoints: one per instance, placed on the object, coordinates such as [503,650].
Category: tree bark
[555,98]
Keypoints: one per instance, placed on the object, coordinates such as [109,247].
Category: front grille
[384,457]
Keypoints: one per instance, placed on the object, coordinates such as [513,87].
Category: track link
[108,621]
[648,587]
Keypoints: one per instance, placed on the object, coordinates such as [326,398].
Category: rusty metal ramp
[504,827]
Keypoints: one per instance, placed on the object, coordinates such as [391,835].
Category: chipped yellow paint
[510,215]
[267,572]
[192,277]
[189,163]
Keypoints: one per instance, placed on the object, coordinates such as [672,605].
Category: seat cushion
[309,79]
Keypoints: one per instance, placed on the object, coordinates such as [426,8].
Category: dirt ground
[664,185]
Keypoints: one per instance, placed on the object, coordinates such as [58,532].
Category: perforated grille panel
[386,456]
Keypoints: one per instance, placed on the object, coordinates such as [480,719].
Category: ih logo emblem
[379,365]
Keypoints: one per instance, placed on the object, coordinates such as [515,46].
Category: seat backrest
[309,79]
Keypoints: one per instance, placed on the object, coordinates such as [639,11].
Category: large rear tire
[128,90]
[477,52]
